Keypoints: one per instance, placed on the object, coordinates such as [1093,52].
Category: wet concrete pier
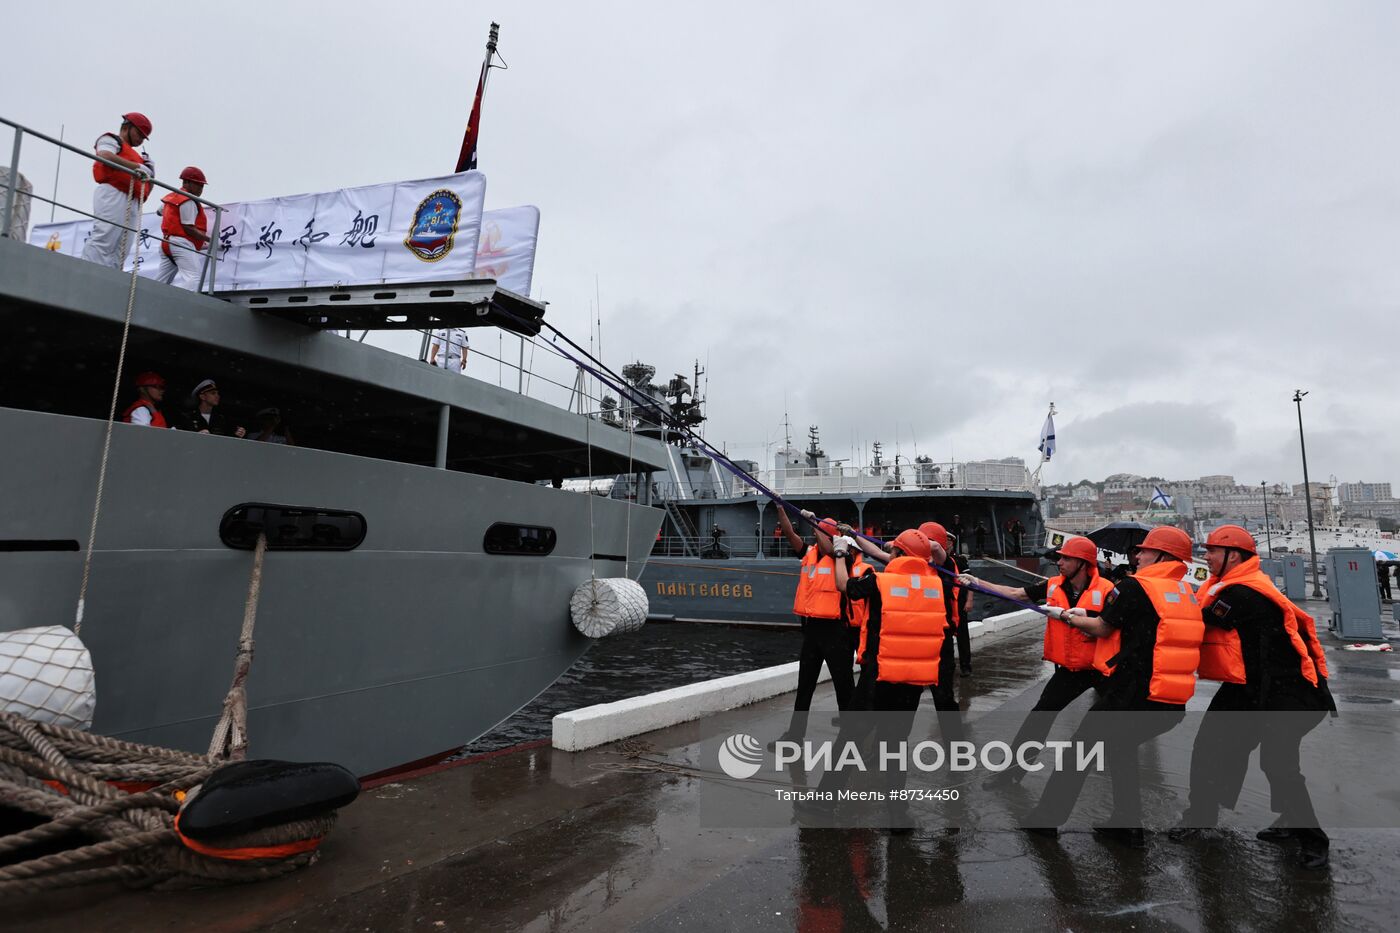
[613,839]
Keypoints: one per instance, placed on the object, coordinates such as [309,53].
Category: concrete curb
[1001,623]
[592,726]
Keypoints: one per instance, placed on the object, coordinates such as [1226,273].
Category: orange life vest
[858,610]
[1177,651]
[953,605]
[1222,656]
[170,224]
[104,174]
[157,419]
[817,597]
[912,620]
[1066,645]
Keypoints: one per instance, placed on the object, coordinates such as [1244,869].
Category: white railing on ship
[13,195]
[748,546]
[847,480]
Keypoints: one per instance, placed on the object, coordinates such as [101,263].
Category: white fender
[46,675]
[608,606]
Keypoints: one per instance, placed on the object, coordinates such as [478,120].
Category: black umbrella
[1119,537]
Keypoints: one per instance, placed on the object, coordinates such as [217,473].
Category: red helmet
[1232,536]
[1078,548]
[828,525]
[192,173]
[936,533]
[152,380]
[914,543]
[1168,540]
[138,120]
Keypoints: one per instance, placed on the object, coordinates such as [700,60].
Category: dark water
[660,656]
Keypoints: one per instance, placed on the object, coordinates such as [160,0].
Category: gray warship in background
[718,555]
[416,588]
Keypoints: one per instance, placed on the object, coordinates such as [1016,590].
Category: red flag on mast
[466,159]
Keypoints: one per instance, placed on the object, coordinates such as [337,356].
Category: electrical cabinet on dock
[1353,594]
[1295,577]
[1274,568]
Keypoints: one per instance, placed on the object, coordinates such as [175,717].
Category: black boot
[1132,837]
[1193,825]
[1313,858]
[1313,853]
[1275,833]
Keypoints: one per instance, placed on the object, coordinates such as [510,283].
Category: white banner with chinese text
[408,231]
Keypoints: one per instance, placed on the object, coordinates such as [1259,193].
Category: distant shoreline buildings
[1215,499]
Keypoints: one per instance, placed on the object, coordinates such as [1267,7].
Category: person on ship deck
[184,227]
[150,392]
[112,206]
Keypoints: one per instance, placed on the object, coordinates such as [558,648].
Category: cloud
[1162,220]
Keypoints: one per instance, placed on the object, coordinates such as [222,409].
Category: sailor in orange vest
[186,232]
[955,600]
[1069,649]
[906,623]
[1265,651]
[150,391]
[823,614]
[111,202]
[961,604]
[1149,645]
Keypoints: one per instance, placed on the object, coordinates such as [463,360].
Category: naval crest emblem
[434,226]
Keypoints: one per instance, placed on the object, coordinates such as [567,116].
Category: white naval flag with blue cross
[1047,439]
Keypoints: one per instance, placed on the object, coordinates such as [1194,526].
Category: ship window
[291,528]
[534,540]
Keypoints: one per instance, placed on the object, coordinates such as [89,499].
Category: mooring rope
[230,739]
[611,379]
[62,775]
[112,410]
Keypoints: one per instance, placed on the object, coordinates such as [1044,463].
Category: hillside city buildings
[1215,499]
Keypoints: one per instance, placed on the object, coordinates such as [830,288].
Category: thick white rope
[230,739]
[112,411]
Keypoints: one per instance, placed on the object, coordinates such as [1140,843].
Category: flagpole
[466,158]
[1044,453]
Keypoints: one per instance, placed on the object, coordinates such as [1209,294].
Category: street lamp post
[1268,534]
[1307,492]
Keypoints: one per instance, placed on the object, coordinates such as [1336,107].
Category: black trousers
[824,641]
[945,701]
[965,646]
[1122,734]
[899,703]
[1063,688]
[1230,731]
[1384,578]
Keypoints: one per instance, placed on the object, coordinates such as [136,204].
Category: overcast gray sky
[1164,218]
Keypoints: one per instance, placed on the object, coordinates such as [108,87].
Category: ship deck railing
[17,198]
[843,481]
[521,360]
[731,546]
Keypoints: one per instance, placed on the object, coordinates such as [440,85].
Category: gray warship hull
[749,590]
[408,645]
